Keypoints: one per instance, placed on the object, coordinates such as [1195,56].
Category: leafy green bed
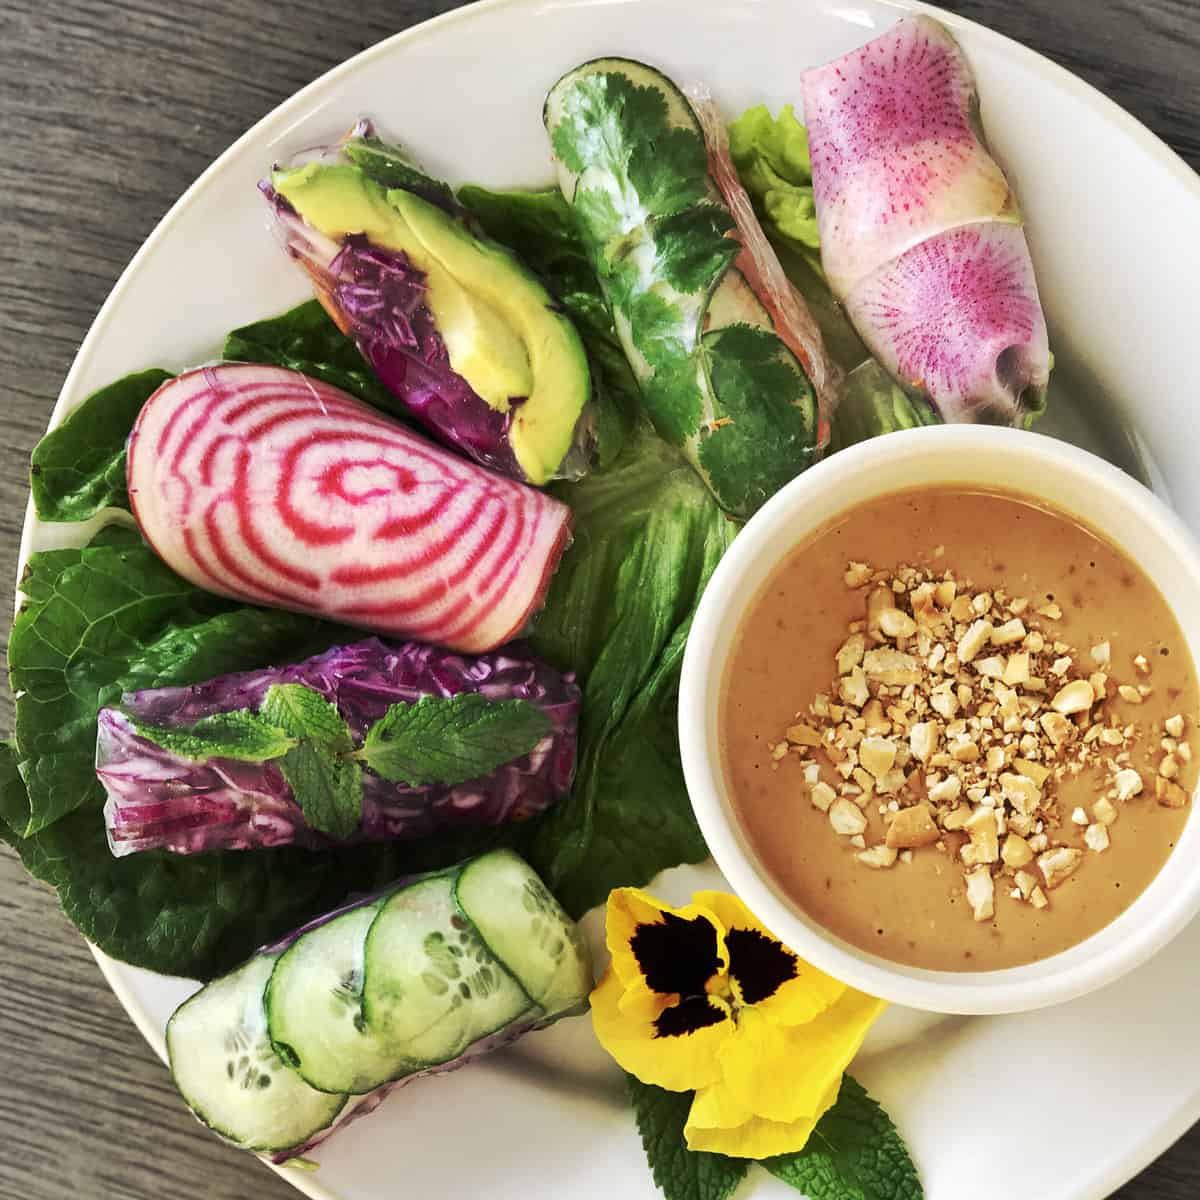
[110,617]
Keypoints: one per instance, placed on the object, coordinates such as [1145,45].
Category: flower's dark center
[675,955]
[759,964]
[696,1012]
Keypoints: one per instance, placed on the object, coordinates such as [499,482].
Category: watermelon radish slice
[261,484]
[921,237]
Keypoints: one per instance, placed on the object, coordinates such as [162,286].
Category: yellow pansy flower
[704,998]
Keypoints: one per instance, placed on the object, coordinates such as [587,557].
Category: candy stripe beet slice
[258,483]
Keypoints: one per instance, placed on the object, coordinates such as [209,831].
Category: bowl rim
[1150,921]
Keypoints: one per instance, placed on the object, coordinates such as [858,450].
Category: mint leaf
[451,740]
[325,782]
[239,735]
[855,1153]
[682,1174]
[78,468]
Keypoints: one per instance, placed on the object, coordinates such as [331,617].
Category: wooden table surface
[108,110]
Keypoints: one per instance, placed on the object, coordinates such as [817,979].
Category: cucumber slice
[526,929]
[314,1008]
[734,303]
[223,1064]
[431,987]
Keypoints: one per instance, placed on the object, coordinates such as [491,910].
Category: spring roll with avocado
[921,236]
[458,329]
[731,364]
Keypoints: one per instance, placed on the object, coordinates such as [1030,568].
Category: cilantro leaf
[239,735]
[855,1153]
[305,339]
[682,1174]
[325,782]
[78,468]
[452,739]
[772,414]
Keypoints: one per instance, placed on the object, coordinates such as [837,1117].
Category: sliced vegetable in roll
[259,483]
[422,978]
[465,336]
[921,237]
[365,742]
[731,364]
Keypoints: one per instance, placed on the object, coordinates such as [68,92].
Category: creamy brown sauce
[916,912]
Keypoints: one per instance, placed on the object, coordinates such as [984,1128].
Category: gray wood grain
[112,107]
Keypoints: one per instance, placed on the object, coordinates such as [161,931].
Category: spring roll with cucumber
[731,363]
[921,236]
[458,329]
[422,978]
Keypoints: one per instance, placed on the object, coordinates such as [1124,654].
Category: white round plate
[1064,1104]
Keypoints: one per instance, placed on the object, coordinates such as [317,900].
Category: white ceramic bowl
[1069,479]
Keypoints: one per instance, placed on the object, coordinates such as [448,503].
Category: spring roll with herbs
[731,363]
[366,742]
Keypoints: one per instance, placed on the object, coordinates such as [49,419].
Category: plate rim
[1142,1152]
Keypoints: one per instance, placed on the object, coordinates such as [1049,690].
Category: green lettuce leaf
[873,404]
[198,914]
[771,156]
[78,468]
[680,1173]
[305,339]
[541,228]
[109,618]
[648,535]
[450,739]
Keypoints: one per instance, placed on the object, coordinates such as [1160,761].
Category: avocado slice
[501,327]
[483,349]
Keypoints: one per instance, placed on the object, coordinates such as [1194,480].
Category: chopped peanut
[1059,864]
[1077,696]
[912,827]
[1016,852]
[857,574]
[974,640]
[981,892]
[803,735]
[1169,793]
[846,817]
